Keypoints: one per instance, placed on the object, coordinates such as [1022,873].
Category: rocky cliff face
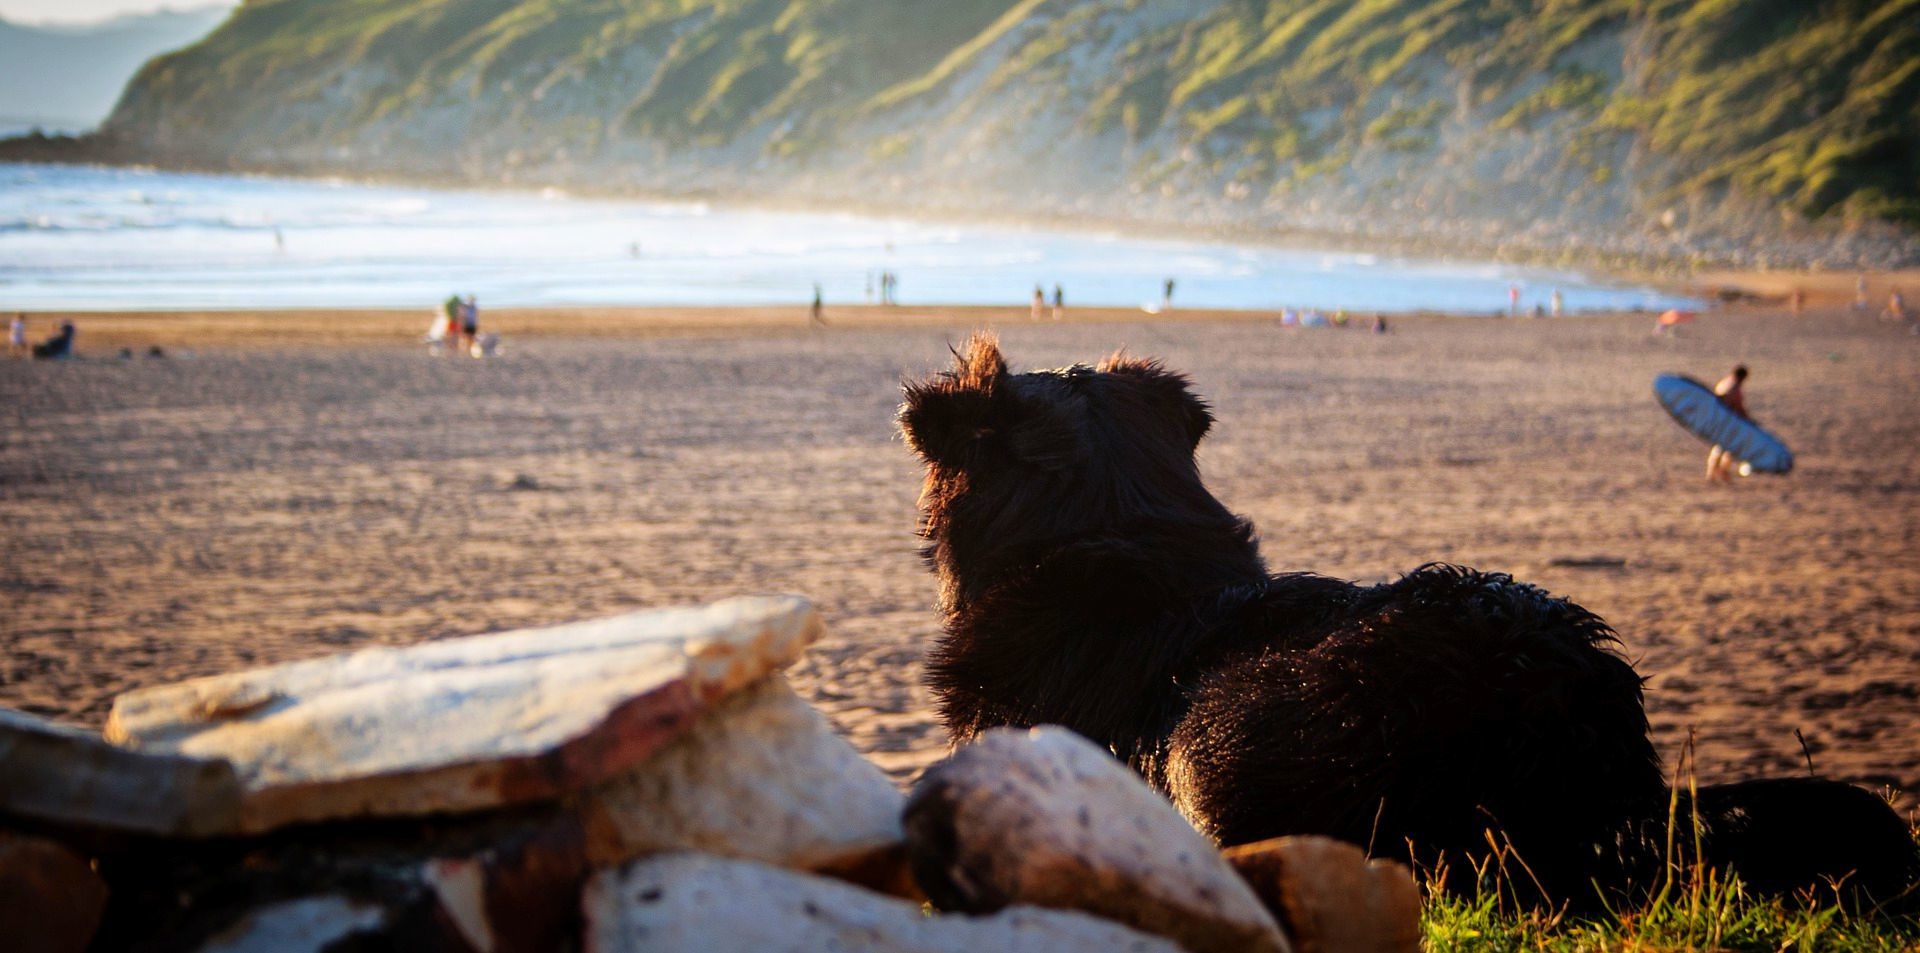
[1742,130]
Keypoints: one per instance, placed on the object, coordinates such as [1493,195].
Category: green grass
[1694,907]
[1707,915]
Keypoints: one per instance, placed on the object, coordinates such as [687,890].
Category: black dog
[1089,579]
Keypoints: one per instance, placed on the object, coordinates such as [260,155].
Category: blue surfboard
[1694,406]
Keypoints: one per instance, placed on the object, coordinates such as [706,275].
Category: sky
[93,11]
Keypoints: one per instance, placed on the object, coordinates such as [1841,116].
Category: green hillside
[1811,107]
[712,68]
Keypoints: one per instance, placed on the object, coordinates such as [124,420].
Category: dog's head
[1040,458]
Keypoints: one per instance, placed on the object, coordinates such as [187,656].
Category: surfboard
[1694,406]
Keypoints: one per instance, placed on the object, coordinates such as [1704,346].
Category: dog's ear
[1171,391]
[945,415]
[980,365]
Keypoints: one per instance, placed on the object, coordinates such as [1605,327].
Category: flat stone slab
[71,776]
[1048,818]
[702,904]
[761,777]
[1330,897]
[465,724]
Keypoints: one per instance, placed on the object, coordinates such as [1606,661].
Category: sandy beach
[290,484]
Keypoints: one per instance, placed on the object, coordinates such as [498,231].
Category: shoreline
[1653,267]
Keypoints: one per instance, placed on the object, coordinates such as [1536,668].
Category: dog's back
[1434,710]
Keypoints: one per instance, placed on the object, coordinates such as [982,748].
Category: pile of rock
[642,782]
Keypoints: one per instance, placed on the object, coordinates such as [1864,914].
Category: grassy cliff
[1700,115]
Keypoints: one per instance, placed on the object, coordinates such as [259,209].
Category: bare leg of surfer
[1720,466]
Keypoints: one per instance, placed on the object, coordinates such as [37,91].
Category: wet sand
[302,484]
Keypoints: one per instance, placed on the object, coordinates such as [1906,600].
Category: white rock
[1046,817]
[702,904]
[761,777]
[465,724]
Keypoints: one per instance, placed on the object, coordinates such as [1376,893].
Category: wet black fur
[1089,579]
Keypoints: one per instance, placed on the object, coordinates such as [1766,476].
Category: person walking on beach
[1513,300]
[1731,391]
[1797,301]
[1039,303]
[818,316]
[1059,303]
[1556,302]
[1896,306]
[1860,293]
[17,335]
[1166,295]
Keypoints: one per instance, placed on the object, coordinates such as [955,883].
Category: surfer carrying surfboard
[1732,396]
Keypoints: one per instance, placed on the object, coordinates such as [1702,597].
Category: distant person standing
[1039,303]
[1513,299]
[1797,301]
[1166,295]
[17,335]
[469,323]
[279,240]
[453,307]
[1059,303]
[1731,391]
[1896,306]
[818,316]
[1556,303]
[1379,324]
[1860,293]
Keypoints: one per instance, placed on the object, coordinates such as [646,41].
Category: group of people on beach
[1554,306]
[1312,318]
[456,329]
[1039,308]
[58,346]
[1895,310]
